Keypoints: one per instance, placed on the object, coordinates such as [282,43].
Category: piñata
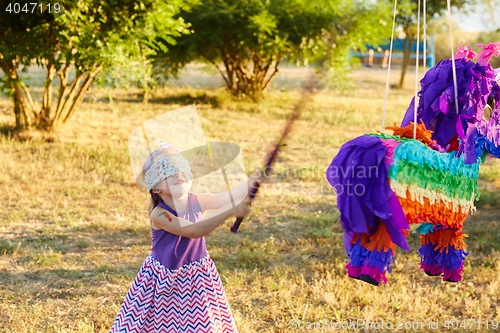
[389,184]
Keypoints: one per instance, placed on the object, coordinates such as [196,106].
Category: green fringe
[431,179]
[386,136]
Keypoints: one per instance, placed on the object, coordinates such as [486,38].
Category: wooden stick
[306,94]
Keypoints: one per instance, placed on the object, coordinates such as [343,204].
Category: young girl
[178,288]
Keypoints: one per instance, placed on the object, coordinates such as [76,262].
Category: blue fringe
[357,254]
[451,260]
[428,254]
[380,260]
[360,257]
[483,144]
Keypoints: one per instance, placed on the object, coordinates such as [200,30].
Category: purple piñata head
[475,129]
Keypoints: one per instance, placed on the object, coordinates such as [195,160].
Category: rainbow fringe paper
[437,191]
[425,183]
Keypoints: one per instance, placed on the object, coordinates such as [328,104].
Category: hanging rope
[389,64]
[416,74]
[425,36]
[453,59]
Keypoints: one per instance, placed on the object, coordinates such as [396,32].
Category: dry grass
[74,230]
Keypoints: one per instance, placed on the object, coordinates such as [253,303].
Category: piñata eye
[488,109]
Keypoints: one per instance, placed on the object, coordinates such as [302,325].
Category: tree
[245,40]
[92,36]
[406,18]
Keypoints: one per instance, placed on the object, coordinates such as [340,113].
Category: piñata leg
[371,255]
[443,252]
[427,252]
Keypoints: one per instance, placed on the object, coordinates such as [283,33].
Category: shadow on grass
[182,99]
[12,132]
[188,99]
[7,130]
[68,283]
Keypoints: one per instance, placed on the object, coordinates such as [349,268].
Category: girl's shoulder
[156,213]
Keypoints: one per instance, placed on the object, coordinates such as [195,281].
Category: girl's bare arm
[163,219]
[218,200]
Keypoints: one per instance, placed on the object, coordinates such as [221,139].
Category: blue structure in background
[398,47]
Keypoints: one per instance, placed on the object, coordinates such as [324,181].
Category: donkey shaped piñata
[388,184]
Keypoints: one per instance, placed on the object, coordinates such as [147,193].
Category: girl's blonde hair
[153,201]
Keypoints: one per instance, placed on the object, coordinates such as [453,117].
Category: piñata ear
[465,52]
[490,50]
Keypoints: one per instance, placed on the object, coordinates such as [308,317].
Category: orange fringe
[441,213]
[423,134]
[443,238]
[364,238]
[381,240]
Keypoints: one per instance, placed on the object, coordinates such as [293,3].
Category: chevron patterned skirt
[190,299]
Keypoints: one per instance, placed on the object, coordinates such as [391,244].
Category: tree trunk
[26,90]
[266,84]
[248,78]
[22,117]
[63,77]
[65,103]
[21,114]
[81,93]
[45,118]
[406,59]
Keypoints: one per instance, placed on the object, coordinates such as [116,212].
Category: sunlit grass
[74,229]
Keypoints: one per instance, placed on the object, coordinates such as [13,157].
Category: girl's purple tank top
[174,251]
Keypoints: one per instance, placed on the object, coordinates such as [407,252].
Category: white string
[453,59]
[416,74]
[425,36]
[389,64]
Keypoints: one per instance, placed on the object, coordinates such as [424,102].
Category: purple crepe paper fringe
[357,254]
[428,254]
[360,256]
[451,260]
[448,261]
[360,164]
[434,270]
[373,272]
[370,263]
[353,271]
[454,274]
[436,106]
[380,260]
